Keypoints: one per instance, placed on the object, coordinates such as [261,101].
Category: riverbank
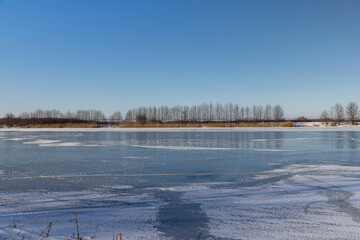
[182,129]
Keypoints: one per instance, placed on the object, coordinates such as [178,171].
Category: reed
[66,125]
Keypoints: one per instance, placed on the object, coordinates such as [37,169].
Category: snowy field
[178,185]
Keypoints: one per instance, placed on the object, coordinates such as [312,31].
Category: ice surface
[182,148]
[185,148]
[294,169]
[285,139]
[99,214]
[272,150]
[68,144]
[139,191]
[16,139]
[42,142]
[311,202]
[135,157]
[315,203]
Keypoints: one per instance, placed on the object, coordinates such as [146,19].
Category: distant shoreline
[189,129]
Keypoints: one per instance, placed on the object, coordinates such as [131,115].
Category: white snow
[272,150]
[316,202]
[99,214]
[134,157]
[16,139]
[118,187]
[210,148]
[42,142]
[325,125]
[310,202]
[294,169]
[284,139]
[68,144]
[182,147]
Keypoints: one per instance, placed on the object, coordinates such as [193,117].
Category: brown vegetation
[156,125]
[66,125]
[286,124]
[205,125]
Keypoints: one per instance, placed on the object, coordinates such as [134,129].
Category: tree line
[205,112]
[338,113]
[52,117]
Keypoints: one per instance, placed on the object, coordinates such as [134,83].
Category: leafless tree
[69,115]
[331,113]
[267,112]
[141,118]
[247,113]
[236,112]
[129,116]
[242,114]
[338,112]
[205,112]
[24,115]
[324,116]
[211,112]
[278,113]
[254,113]
[116,117]
[259,113]
[9,120]
[352,112]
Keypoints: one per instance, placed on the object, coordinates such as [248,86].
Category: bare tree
[324,116]
[331,113]
[236,112]
[259,113]
[24,115]
[185,113]
[338,112]
[267,112]
[69,115]
[9,120]
[129,116]
[352,112]
[231,112]
[211,112]
[180,113]
[242,113]
[116,117]
[247,113]
[254,113]
[278,113]
[141,118]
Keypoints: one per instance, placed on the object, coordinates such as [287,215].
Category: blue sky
[115,55]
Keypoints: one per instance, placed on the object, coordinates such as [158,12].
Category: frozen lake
[180,184]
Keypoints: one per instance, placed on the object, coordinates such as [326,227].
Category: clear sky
[115,55]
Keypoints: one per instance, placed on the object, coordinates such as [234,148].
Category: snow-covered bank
[234,129]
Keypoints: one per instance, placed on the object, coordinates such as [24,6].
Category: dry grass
[169,125]
[206,125]
[286,124]
[218,125]
[261,124]
[157,125]
[66,125]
